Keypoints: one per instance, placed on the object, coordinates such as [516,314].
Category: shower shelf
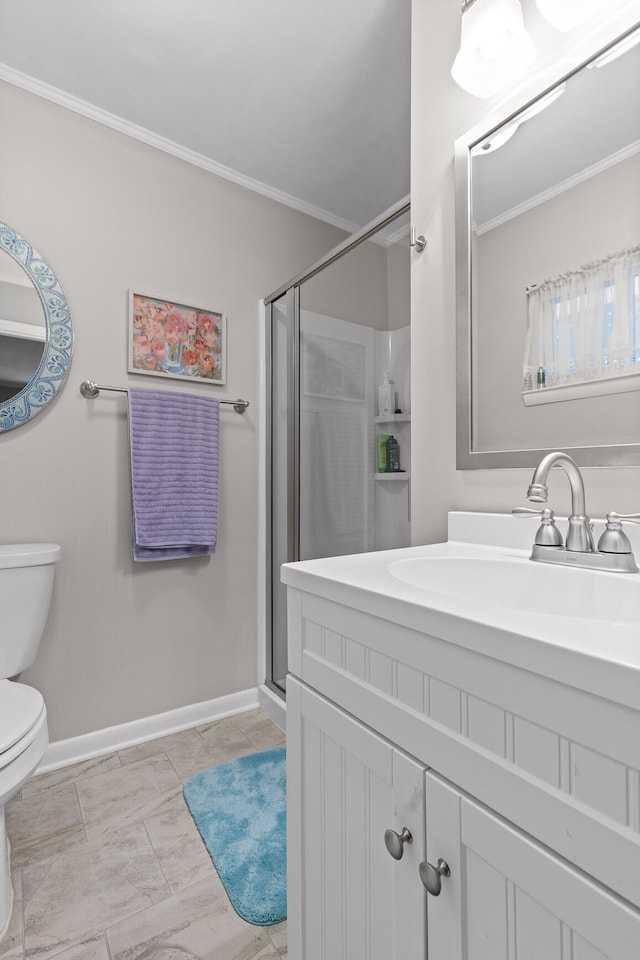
[393,475]
[394,418]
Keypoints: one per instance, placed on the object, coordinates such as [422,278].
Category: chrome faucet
[580,533]
[614,549]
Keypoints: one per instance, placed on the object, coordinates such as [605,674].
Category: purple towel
[174,474]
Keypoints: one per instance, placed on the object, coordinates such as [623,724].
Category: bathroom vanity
[463,729]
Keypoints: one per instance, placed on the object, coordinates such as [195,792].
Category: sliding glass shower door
[329,336]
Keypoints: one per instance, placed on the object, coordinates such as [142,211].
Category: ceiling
[307,102]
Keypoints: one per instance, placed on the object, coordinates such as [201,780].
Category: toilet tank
[27,572]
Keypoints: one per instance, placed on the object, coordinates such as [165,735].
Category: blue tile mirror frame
[36,336]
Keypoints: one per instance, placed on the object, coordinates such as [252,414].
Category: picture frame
[167,338]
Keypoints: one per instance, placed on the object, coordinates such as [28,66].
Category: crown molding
[390,237]
[112,121]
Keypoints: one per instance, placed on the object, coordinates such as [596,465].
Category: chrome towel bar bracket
[89,389]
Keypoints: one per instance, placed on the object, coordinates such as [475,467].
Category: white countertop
[599,655]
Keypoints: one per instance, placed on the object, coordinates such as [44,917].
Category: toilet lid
[20,708]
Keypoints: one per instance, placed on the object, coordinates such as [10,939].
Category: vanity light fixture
[496,140]
[622,46]
[543,102]
[568,14]
[494,47]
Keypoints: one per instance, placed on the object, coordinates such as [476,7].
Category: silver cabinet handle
[431,876]
[394,842]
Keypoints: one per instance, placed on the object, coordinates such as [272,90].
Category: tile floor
[107,863]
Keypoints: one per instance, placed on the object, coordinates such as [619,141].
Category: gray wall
[353,288]
[442,112]
[128,640]
[370,285]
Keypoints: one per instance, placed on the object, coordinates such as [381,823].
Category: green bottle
[393,455]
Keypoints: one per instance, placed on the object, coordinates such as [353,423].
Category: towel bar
[89,389]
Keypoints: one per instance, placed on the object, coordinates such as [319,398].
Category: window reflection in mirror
[22,328]
[552,191]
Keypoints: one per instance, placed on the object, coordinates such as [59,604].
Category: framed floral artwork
[169,339]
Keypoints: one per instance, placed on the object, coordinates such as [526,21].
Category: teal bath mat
[239,809]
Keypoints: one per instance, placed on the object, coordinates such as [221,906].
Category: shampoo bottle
[386,404]
[393,455]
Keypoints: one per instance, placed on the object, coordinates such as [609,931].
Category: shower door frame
[293,459]
[292,292]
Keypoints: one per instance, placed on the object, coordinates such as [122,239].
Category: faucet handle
[614,539]
[548,534]
[526,513]
[614,517]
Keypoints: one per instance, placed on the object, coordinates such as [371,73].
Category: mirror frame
[613,455]
[58,346]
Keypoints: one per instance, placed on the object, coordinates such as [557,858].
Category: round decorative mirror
[36,338]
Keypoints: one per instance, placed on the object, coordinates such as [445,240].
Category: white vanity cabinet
[509,897]
[525,784]
[506,896]
[348,898]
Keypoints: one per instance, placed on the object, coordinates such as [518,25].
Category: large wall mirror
[548,273]
[36,339]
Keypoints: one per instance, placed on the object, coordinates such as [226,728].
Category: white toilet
[27,571]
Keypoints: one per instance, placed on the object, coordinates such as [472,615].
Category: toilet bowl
[26,582]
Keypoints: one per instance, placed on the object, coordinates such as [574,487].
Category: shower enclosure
[332,333]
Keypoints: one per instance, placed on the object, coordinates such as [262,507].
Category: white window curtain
[584,331]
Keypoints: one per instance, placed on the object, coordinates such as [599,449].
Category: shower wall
[392,504]
[345,508]
[336,401]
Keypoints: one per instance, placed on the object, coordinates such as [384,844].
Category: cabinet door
[348,898]
[508,898]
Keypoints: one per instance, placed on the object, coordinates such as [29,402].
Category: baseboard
[64,752]
[274,706]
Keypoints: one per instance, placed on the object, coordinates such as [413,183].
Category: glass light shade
[567,14]
[494,49]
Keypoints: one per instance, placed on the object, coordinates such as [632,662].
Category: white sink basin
[520,584]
